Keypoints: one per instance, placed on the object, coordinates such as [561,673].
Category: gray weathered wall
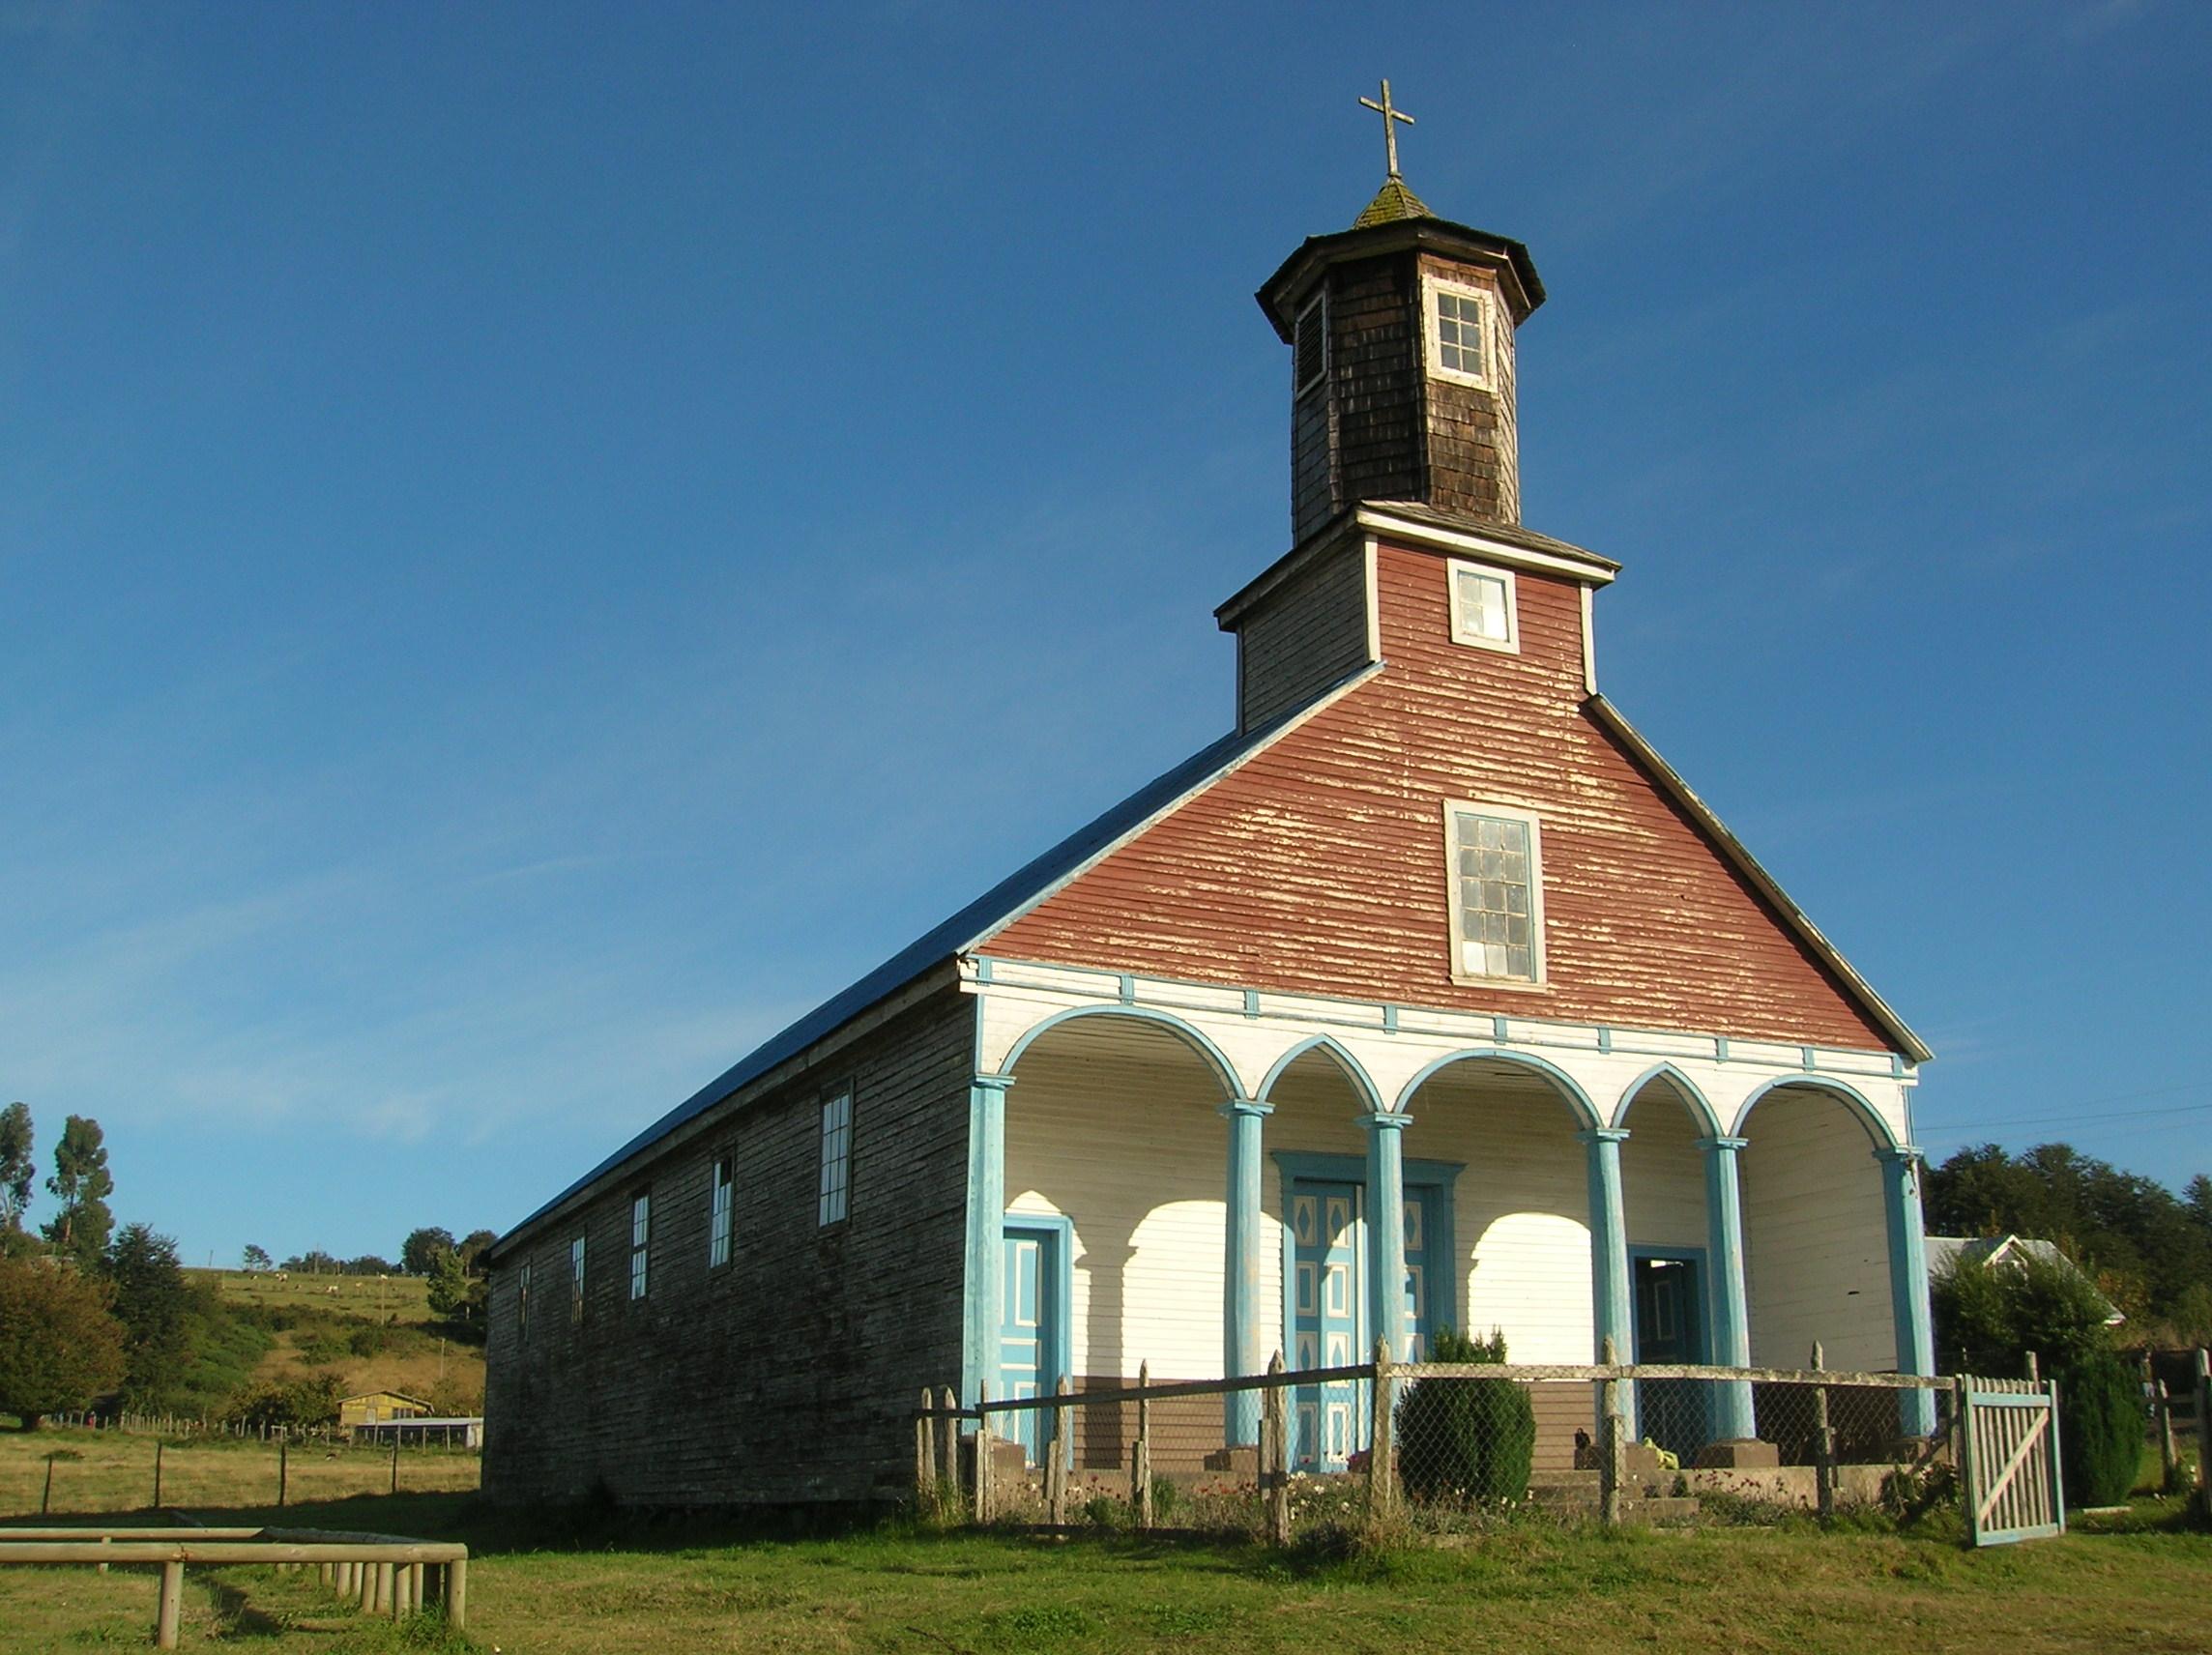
[789,1374]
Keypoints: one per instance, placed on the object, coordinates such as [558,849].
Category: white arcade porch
[1195,1176]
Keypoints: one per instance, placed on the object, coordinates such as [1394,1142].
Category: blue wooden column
[1242,1262]
[1387,1231]
[1908,1282]
[1731,1308]
[985,1272]
[1609,1243]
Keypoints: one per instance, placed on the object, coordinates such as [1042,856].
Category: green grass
[567,1587]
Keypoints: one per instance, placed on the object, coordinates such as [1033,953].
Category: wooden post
[924,1455]
[2204,1434]
[1381,1438]
[1056,1451]
[157,1477]
[457,1594]
[283,1467]
[2160,1424]
[983,1440]
[2034,1369]
[1275,1455]
[395,1461]
[1140,1452]
[1970,1463]
[949,1441]
[46,1498]
[170,1611]
[1823,1443]
[1612,1458]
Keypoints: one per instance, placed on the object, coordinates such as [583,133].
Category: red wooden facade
[1318,866]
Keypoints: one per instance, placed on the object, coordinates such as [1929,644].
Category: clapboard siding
[1663,1175]
[1318,865]
[1305,636]
[1129,1149]
[789,1374]
[1816,1249]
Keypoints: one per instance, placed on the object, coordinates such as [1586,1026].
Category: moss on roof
[1392,203]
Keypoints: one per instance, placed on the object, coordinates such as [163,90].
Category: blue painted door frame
[1037,1275]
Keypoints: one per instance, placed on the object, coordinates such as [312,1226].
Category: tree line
[2148,1250]
[94,1316]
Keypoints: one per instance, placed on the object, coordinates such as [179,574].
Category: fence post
[2034,1369]
[457,1594]
[924,1455]
[395,1461]
[1275,1457]
[2203,1433]
[1381,1439]
[1969,1462]
[156,1476]
[948,1440]
[283,1467]
[1055,1456]
[2160,1424]
[46,1498]
[1824,1442]
[1612,1458]
[170,1610]
[982,1441]
[1140,1452]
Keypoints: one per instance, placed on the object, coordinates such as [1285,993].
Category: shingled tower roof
[1392,203]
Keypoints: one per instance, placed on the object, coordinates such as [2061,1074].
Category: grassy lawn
[666,1587]
[114,1471]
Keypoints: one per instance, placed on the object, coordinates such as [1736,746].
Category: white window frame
[577,1281]
[721,1202]
[1433,343]
[834,1194]
[1537,962]
[1318,302]
[640,1243]
[1462,633]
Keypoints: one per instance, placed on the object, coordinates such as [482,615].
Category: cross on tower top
[1390,119]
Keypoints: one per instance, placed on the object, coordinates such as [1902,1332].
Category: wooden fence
[970,1456]
[384,1574]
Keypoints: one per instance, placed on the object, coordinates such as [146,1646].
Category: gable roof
[1946,1252]
[1672,784]
[1002,901]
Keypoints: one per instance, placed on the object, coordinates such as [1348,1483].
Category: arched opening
[1673,1288]
[1816,1236]
[1115,1178]
[1520,1211]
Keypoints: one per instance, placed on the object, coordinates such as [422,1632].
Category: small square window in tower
[1482,607]
[1497,900]
[1458,327]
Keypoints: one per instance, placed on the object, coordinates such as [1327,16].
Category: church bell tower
[1401,332]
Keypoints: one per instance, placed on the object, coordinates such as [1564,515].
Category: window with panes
[836,1158]
[1497,893]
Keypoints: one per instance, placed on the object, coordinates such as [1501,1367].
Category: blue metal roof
[1001,903]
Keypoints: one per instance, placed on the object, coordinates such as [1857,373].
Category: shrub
[311,1400]
[2100,1429]
[1471,1441]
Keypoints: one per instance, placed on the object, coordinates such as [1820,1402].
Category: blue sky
[533,548]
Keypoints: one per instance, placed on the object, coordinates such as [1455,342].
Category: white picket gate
[2008,1434]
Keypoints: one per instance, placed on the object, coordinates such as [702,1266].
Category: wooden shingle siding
[1318,866]
[788,1374]
[1309,633]
[1469,441]
[1375,375]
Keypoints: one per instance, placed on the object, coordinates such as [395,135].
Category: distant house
[372,1408]
[457,1431]
[1990,1252]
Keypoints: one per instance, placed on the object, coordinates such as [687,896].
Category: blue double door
[1330,1327]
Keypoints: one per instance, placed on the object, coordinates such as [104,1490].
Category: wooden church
[1428,996]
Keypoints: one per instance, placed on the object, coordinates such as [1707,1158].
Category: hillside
[375,1330]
